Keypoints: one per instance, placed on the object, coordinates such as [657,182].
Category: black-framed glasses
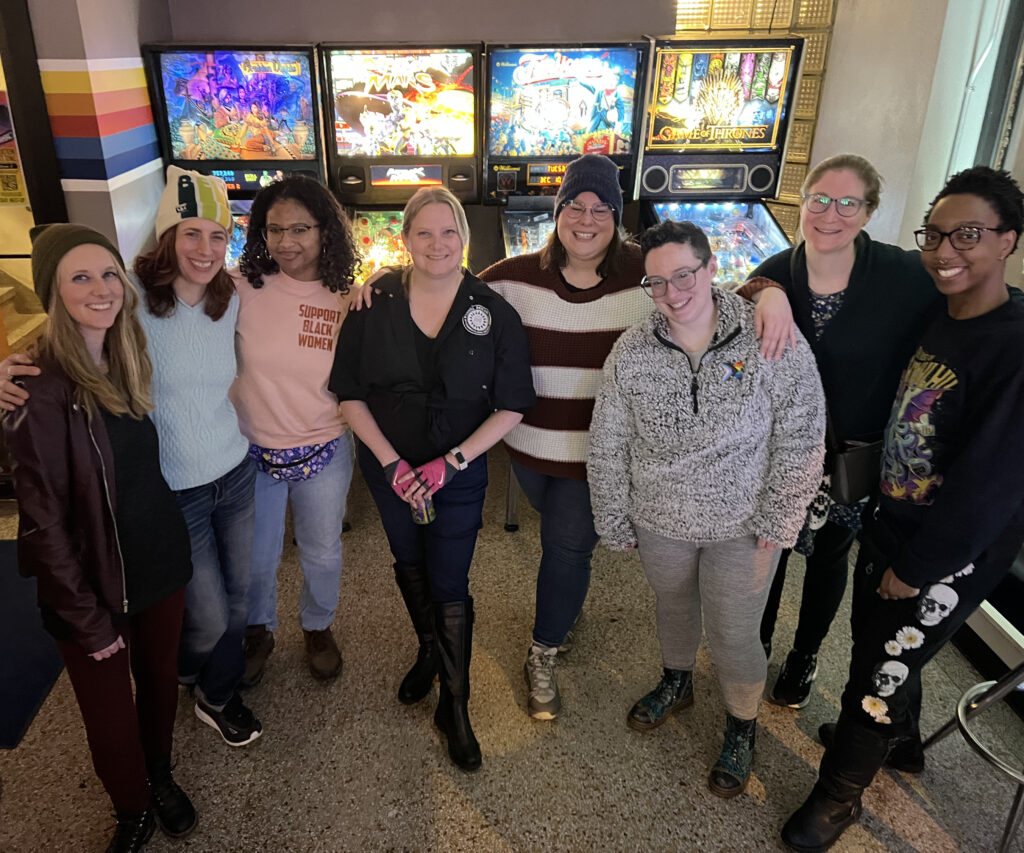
[845,206]
[273,232]
[655,286]
[575,210]
[963,239]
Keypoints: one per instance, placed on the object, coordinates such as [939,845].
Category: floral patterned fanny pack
[294,463]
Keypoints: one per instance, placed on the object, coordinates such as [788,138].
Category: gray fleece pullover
[732,450]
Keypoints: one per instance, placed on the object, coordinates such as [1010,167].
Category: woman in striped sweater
[575,298]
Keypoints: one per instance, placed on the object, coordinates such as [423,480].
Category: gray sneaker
[545,701]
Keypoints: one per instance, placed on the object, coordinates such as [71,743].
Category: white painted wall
[1015,165]
[956,108]
[895,91]
[877,87]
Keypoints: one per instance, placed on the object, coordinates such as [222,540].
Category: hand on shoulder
[12,393]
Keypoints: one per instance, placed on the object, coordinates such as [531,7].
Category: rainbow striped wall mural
[101,118]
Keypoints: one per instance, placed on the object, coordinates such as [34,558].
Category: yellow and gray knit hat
[190,195]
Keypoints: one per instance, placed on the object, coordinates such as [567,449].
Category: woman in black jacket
[430,378]
[99,528]
[862,306]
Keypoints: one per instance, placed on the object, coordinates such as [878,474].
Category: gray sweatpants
[728,583]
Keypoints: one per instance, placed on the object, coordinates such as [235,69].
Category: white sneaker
[544,702]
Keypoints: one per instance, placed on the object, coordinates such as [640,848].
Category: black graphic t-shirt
[953,468]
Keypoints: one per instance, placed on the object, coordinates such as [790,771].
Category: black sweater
[867,344]
[953,469]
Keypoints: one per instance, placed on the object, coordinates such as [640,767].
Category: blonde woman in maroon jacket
[99,528]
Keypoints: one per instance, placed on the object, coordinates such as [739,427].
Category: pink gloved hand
[436,473]
[397,473]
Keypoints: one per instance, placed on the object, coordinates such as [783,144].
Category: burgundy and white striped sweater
[570,334]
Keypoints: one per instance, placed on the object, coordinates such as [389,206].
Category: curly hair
[157,270]
[683,233]
[339,261]
[996,187]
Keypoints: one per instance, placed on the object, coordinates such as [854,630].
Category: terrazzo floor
[343,766]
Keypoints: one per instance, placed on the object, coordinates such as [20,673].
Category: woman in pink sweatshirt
[297,266]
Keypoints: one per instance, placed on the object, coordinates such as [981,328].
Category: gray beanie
[591,173]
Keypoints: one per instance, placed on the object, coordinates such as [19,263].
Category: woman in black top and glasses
[862,306]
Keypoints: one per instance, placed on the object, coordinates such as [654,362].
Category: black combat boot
[172,807]
[132,832]
[847,768]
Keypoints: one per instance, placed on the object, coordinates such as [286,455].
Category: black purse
[855,466]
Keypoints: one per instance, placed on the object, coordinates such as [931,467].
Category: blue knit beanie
[591,173]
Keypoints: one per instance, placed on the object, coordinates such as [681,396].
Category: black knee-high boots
[454,629]
[412,581]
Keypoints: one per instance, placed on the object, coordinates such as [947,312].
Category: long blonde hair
[125,388]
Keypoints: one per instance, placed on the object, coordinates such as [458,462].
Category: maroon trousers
[126,733]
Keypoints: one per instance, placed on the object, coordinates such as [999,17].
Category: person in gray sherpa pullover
[704,455]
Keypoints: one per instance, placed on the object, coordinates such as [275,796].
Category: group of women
[137,542]
[704,448]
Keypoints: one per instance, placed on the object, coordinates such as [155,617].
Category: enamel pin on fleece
[477,320]
[732,370]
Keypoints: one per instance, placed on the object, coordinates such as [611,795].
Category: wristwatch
[457,453]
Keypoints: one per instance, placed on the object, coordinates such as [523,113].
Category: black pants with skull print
[894,639]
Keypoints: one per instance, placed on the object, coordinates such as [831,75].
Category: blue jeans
[318,509]
[567,541]
[219,516]
[445,546]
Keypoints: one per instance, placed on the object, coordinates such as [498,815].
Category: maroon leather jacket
[67,536]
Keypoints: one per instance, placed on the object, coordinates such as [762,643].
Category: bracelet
[457,453]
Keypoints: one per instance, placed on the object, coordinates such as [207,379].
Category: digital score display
[406,176]
[687,179]
[248,180]
[545,174]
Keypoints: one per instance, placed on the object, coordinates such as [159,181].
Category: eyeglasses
[964,238]
[273,232]
[575,210]
[845,206]
[681,280]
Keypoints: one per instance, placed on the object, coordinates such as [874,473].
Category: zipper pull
[693,392]
[124,606]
